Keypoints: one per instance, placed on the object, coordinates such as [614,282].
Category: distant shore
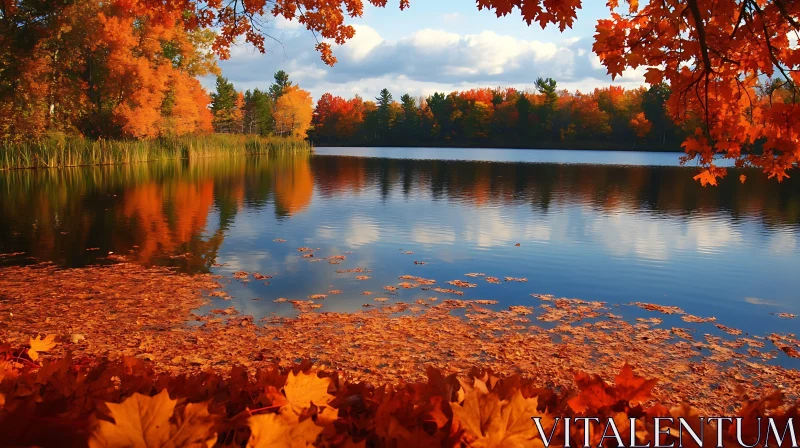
[568,146]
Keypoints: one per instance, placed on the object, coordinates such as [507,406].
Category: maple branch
[701,33]
[795,24]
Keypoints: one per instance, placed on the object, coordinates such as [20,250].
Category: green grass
[57,151]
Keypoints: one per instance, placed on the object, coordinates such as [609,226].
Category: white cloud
[365,40]
[423,62]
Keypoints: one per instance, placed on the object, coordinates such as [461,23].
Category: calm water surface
[610,226]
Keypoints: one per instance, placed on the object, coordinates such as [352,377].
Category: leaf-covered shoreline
[128,310]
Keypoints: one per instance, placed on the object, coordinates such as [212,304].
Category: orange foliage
[293,112]
[125,403]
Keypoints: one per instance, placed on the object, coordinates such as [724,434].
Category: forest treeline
[122,70]
[610,117]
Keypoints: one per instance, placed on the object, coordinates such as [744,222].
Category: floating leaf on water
[515,279]
[380,299]
[366,293]
[390,288]
[697,320]
[279,240]
[449,291]
[420,280]
[666,309]
[682,332]
[493,280]
[334,292]
[317,296]
[240,275]
[305,249]
[521,310]
[462,284]
[362,277]
[280,300]
[419,262]
[475,274]
[729,330]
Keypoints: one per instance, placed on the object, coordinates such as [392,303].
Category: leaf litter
[134,311]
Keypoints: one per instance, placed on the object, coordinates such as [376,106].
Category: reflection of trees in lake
[158,213]
[605,187]
[178,213]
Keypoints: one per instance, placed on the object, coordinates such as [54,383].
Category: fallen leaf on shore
[39,345]
[270,430]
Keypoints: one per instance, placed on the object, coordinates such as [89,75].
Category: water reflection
[173,213]
[615,233]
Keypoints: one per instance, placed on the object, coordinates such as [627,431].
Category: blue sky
[436,45]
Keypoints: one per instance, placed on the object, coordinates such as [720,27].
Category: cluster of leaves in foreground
[66,402]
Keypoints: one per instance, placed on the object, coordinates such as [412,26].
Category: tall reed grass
[56,151]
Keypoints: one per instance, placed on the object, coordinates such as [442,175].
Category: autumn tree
[713,54]
[293,112]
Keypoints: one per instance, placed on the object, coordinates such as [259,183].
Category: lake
[611,226]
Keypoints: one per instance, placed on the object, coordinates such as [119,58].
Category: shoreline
[71,152]
[124,309]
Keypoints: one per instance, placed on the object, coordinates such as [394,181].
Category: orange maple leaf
[706,178]
[40,345]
